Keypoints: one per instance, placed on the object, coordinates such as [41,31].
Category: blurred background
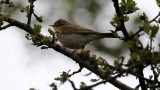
[24,66]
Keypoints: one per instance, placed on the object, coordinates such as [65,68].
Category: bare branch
[53,86]
[29,15]
[79,70]
[104,81]
[154,19]
[73,85]
[6,26]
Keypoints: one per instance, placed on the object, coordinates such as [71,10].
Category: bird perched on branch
[76,37]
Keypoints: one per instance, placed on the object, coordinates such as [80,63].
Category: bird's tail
[97,36]
[107,35]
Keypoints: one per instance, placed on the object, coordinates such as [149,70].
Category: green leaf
[24,9]
[94,80]
[57,78]
[158,2]
[147,28]
[5,15]
[116,63]
[115,21]
[44,47]
[135,70]
[126,18]
[82,86]
[128,6]
[50,38]
[51,32]
[154,30]
[37,28]
[1,22]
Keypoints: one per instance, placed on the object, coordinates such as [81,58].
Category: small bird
[74,36]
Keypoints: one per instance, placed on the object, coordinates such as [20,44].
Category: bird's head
[60,22]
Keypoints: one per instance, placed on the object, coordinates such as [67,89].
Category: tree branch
[127,37]
[104,81]
[31,10]
[120,15]
[75,72]
[81,61]
[141,28]
[73,85]
[6,26]
[141,80]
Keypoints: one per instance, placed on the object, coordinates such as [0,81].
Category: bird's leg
[82,49]
[79,52]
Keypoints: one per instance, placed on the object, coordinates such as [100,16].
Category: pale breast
[72,41]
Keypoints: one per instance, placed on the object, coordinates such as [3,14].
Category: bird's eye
[61,24]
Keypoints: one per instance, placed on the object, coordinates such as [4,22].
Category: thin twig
[104,81]
[79,70]
[120,15]
[136,88]
[29,15]
[155,18]
[73,85]
[141,28]
[128,70]
[6,26]
[53,86]
[87,74]
[154,73]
